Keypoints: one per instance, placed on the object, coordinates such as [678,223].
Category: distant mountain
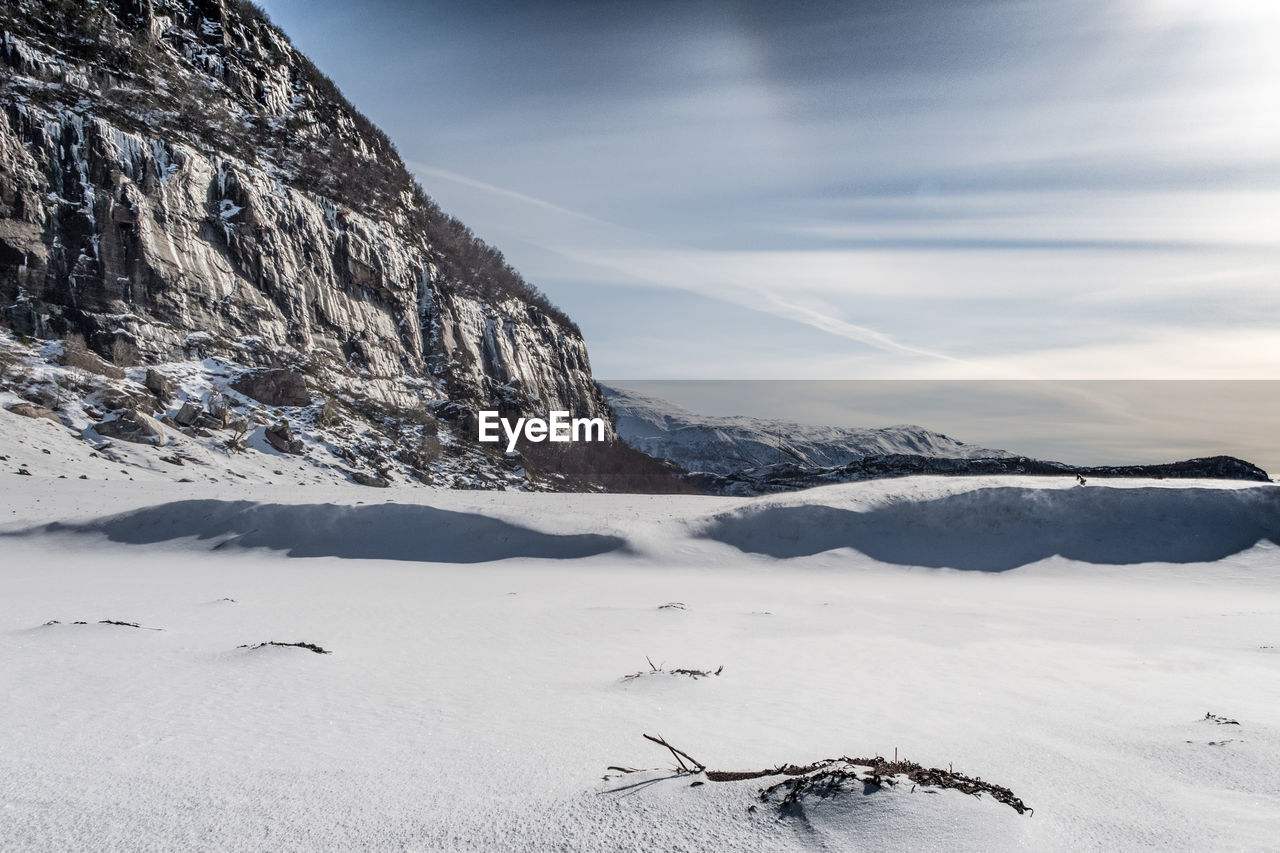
[756,456]
[770,479]
[730,445]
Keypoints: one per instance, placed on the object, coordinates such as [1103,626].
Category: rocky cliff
[178,182]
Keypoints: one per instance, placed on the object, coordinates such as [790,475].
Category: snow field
[477,705]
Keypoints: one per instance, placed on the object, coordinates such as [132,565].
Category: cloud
[728,278]
[421,170]
[942,312]
[958,189]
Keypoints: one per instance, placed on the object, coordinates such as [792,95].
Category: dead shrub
[833,776]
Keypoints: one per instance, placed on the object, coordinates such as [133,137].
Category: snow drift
[379,532]
[997,529]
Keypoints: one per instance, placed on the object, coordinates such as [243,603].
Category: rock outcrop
[280,436]
[177,181]
[371,480]
[133,426]
[30,410]
[160,385]
[277,387]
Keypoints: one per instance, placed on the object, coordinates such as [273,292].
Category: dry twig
[832,776]
[312,647]
[695,674]
[679,754]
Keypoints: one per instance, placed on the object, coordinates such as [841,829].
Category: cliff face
[177,181]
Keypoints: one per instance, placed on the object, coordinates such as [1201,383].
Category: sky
[856,190]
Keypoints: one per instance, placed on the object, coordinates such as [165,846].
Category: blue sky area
[758,190]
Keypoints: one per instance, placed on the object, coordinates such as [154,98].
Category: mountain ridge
[725,445]
[745,456]
[773,479]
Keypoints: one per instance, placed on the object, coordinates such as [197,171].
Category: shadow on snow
[376,532]
[998,529]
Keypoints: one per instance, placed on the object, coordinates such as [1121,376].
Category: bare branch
[678,754]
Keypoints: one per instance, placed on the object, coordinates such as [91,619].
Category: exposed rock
[115,397]
[30,410]
[187,415]
[77,356]
[160,385]
[209,421]
[371,480]
[132,425]
[274,387]
[280,436]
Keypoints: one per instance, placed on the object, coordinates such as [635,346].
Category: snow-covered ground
[476,690]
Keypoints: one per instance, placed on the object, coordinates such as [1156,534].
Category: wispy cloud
[638,257]
[426,174]
[962,189]
[819,289]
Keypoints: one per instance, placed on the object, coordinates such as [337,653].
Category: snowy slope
[726,445]
[476,705]
[340,441]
